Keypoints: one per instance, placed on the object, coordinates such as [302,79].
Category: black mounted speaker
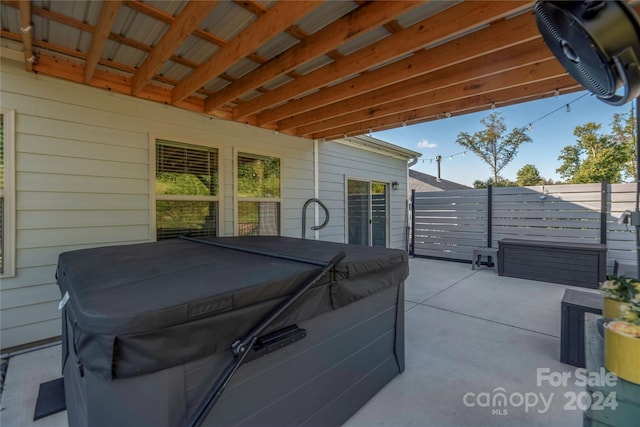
[597,42]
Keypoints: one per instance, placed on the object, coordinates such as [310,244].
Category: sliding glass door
[367,213]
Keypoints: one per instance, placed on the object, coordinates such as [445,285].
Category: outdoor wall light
[395,185]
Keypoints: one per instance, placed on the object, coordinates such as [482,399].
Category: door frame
[370,181]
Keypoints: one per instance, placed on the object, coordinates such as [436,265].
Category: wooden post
[603,211]
[489,214]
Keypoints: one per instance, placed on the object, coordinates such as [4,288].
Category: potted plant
[617,290]
[622,342]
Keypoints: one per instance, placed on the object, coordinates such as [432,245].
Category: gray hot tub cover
[137,309]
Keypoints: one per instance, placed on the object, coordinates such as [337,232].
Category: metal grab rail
[304,216]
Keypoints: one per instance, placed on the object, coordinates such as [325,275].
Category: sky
[549,134]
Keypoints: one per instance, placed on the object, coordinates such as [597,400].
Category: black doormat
[50,399]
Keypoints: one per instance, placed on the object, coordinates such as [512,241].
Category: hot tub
[148,328]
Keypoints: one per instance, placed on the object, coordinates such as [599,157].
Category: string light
[445,158]
[556,93]
[493,106]
[567,108]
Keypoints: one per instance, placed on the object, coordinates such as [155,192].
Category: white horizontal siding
[82,180]
[339,161]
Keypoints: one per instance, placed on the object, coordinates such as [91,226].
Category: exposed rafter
[479,46]
[27,30]
[332,36]
[316,69]
[183,26]
[523,93]
[498,63]
[452,21]
[100,36]
[276,20]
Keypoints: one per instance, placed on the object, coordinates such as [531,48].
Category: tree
[595,156]
[529,175]
[623,133]
[502,182]
[492,145]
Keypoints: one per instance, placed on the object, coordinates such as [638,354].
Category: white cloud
[426,144]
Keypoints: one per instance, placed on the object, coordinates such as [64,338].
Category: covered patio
[467,332]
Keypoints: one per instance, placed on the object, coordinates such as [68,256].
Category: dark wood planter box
[574,305]
[577,264]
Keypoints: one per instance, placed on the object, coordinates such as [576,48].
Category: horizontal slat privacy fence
[450,224]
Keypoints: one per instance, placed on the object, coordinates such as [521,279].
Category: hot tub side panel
[348,355]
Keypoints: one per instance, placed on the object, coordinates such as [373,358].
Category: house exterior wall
[337,163]
[83,179]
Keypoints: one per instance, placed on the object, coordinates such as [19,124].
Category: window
[7,194]
[259,191]
[187,190]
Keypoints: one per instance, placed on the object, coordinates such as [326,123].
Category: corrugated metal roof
[241,68]
[172,7]
[314,64]
[227,20]
[366,39]
[429,9]
[196,50]
[175,71]
[324,15]
[277,82]
[278,44]
[66,28]
[216,84]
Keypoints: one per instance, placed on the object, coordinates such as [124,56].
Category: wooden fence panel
[450,224]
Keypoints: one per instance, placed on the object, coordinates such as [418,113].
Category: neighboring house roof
[423,182]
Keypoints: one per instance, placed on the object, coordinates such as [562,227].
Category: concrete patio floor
[470,336]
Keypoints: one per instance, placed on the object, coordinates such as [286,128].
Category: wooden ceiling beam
[183,26]
[100,35]
[539,71]
[475,102]
[56,17]
[162,16]
[452,21]
[27,33]
[269,25]
[467,106]
[504,36]
[477,68]
[115,82]
[349,26]
[168,19]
